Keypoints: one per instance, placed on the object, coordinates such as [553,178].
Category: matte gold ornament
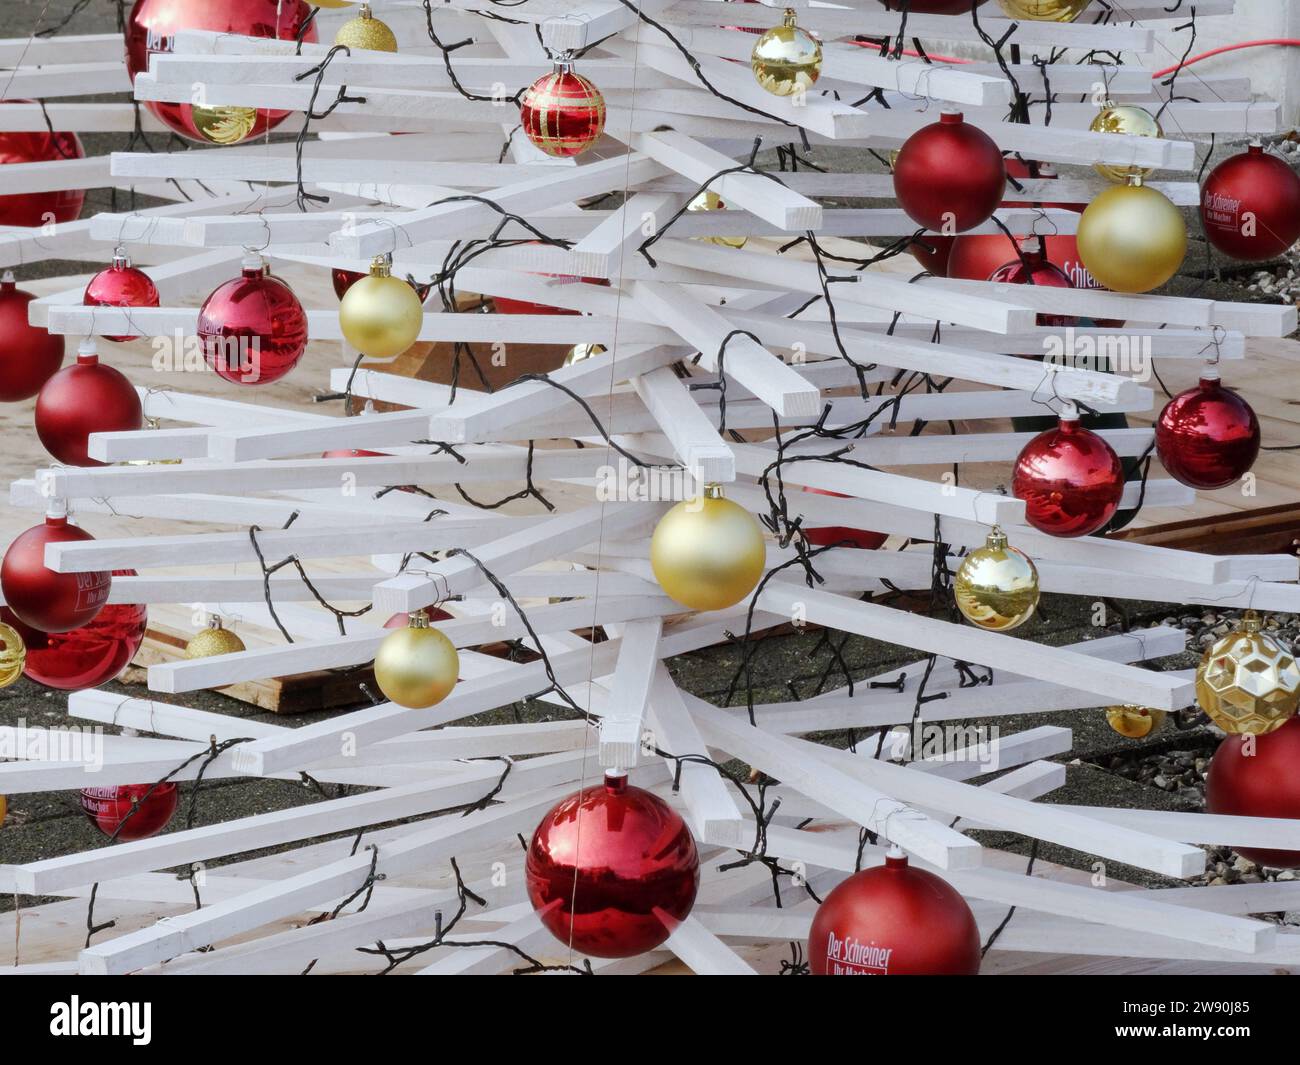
[583,352]
[223,125]
[708,200]
[366,31]
[381,315]
[1044,10]
[1248,682]
[1134,721]
[417,666]
[150,423]
[787,59]
[216,639]
[1131,238]
[708,553]
[13,655]
[996,586]
[1132,121]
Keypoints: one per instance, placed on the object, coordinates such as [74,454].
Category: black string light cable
[312,115]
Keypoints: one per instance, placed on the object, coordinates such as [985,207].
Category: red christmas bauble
[1070,479]
[41,598]
[1250,206]
[507,305]
[949,175]
[894,920]
[110,809]
[826,535]
[1031,267]
[562,113]
[612,870]
[932,250]
[88,656]
[86,397]
[29,355]
[1208,436]
[1029,169]
[402,619]
[121,285]
[1256,776]
[345,279]
[153,23]
[253,328]
[39,208]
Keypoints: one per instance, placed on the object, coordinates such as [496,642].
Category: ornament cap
[951,117]
[252,264]
[1069,415]
[121,261]
[996,539]
[7,280]
[1135,181]
[615,781]
[88,347]
[713,490]
[381,265]
[1210,380]
[418,619]
[788,18]
[56,511]
[1251,621]
[896,858]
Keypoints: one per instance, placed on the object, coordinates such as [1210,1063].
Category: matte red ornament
[1250,206]
[1070,479]
[39,208]
[1256,776]
[841,535]
[1032,169]
[894,920]
[1031,267]
[562,113]
[88,656]
[152,25]
[612,870]
[41,598]
[29,355]
[932,250]
[949,175]
[1208,436]
[111,809]
[345,279]
[86,397]
[253,328]
[507,305]
[121,285]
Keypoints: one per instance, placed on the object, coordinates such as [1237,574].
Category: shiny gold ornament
[1134,721]
[787,59]
[996,586]
[216,639]
[368,32]
[1044,10]
[381,315]
[417,666]
[223,125]
[1131,238]
[583,352]
[1133,121]
[333,3]
[150,423]
[13,655]
[708,200]
[1247,682]
[708,553]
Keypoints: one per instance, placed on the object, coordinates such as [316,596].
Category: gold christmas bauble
[1247,681]
[333,3]
[367,32]
[13,655]
[1133,121]
[223,125]
[583,352]
[1131,238]
[216,639]
[381,315]
[996,586]
[1044,10]
[708,553]
[787,59]
[1134,721]
[417,666]
[4,809]
[708,200]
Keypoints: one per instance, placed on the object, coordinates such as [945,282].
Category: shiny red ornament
[111,809]
[253,328]
[1070,479]
[1250,206]
[152,25]
[86,397]
[612,870]
[29,355]
[1031,267]
[1256,776]
[949,175]
[345,279]
[402,619]
[41,598]
[88,656]
[507,305]
[841,535]
[1208,436]
[894,920]
[121,285]
[562,113]
[39,208]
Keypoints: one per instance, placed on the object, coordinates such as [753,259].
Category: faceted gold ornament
[708,553]
[367,32]
[381,315]
[417,666]
[1134,721]
[787,59]
[13,655]
[708,200]
[996,586]
[1247,682]
[223,125]
[216,639]
[1044,10]
[583,352]
[1132,121]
